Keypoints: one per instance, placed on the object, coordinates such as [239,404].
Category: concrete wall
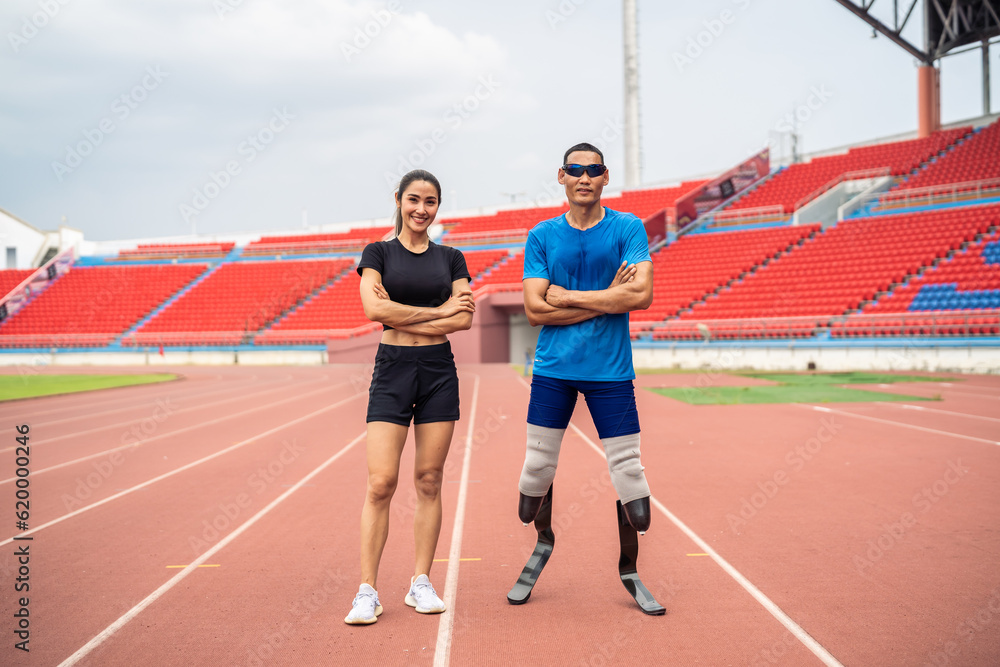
[523,338]
[360,350]
[488,341]
[16,233]
[979,359]
[169,357]
[902,358]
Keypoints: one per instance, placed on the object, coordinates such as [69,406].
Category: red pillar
[928,100]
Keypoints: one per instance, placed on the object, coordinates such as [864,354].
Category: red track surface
[871,529]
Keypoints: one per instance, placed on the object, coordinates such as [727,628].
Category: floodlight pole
[633,175]
[986,77]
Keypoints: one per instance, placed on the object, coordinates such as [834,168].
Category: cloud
[363,81]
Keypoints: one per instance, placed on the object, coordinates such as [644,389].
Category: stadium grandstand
[909,256]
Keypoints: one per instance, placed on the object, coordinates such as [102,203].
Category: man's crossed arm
[631,289]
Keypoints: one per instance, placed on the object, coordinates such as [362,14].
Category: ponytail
[397,219]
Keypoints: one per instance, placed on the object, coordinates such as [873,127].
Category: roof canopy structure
[947,25]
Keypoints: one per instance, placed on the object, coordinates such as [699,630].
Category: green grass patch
[797,388]
[852,377]
[29,386]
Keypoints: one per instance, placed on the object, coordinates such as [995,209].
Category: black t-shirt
[422,280]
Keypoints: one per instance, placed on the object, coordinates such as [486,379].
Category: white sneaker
[366,608]
[423,597]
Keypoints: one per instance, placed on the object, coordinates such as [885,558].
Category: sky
[158,118]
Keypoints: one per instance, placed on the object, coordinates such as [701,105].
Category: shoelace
[359,596]
[423,590]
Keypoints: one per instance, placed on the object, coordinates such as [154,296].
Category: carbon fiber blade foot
[629,539]
[521,591]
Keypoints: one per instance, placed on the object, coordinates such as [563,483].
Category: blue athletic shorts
[611,404]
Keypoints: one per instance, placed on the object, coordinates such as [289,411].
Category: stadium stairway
[732,202]
[973,158]
[914,278]
[793,186]
[946,153]
[743,276]
[31,297]
[117,342]
[912,179]
[302,303]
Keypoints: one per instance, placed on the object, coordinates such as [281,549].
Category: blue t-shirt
[599,348]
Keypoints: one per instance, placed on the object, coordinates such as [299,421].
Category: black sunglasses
[576,170]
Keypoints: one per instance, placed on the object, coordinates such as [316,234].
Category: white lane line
[106,634]
[171,433]
[973,394]
[180,384]
[818,408]
[921,408]
[807,640]
[442,649]
[814,646]
[173,472]
[158,404]
[142,404]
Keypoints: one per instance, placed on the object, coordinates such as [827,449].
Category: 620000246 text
[22,514]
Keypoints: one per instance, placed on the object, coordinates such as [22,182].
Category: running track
[214,521]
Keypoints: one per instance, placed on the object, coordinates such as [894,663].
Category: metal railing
[984,322]
[964,323]
[167,251]
[724,329]
[745,215]
[858,175]
[141,339]
[36,282]
[303,247]
[491,235]
[933,194]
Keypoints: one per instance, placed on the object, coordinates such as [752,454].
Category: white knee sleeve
[540,460]
[626,472]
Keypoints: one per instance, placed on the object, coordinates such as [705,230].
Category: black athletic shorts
[413,381]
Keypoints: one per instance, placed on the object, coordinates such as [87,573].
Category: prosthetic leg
[521,591]
[629,539]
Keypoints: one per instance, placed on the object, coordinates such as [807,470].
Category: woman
[419,291]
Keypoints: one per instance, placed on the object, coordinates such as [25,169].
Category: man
[584,271]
